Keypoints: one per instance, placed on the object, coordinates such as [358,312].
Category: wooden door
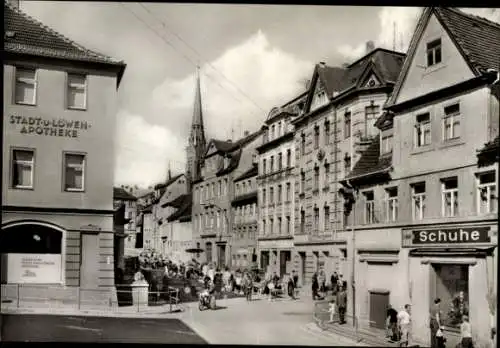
[89,267]
[379,302]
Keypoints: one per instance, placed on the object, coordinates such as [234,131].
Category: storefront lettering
[443,236]
[49,127]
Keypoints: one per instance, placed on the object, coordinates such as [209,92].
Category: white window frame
[433,50]
[31,163]
[419,139]
[33,82]
[387,143]
[77,86]
[369,212]
[84,165]
[453,194]
[420,198]
[491,190]
[391,205]
[453,118]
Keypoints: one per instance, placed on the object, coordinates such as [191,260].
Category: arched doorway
[32,252]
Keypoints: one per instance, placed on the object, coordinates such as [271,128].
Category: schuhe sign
[56,127]
[451,236]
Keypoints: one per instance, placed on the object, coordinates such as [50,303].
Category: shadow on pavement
[219,307]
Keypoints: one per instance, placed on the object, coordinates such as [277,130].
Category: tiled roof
[478,37]
[233,162]
[177,202]
[492,147]
[253,171]
[183,211]
[332,78]
[120,194]
[370,161]
[168,183]
[24,34]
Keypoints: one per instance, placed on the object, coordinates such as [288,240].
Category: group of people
[398,325]
[319,285]
[273,285]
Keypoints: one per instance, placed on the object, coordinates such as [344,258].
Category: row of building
[384,170]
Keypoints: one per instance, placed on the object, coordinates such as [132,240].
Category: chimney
[14,3]
[246,133]
[370,46]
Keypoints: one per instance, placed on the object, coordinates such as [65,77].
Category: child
[332,310]
[441,340]
[466,333]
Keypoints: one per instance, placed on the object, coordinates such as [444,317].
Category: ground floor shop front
[275,255]
[49,250]
[216,250]
[455,262]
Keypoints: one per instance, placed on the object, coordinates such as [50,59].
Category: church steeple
[197,142]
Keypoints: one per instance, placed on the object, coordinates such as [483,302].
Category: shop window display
[452,285]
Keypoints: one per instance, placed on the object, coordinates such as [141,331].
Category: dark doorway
[285,256]
[379,302]
[302,279]
[222,256]
[264,260]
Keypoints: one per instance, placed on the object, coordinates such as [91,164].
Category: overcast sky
[252,57]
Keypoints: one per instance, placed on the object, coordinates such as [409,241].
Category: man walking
[404,320]
[342,303]
[334,280]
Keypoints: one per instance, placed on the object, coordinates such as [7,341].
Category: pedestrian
[218,283]
[248,287]
[295,277]
[315,286]
[466,333]
[342,304]
[435,321]
[204,269]
[291,286]
[440,338]
[333,280]
[392,324]
[322,281]
[404,320]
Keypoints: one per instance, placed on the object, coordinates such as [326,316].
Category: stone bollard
[140,293]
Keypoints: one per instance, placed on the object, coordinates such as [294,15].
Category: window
[387,144]
[264,197]
[264,227]
[271,226]
[288,158]
[237,189]
[327,132]
[327,218]
[279,226]
[316,220]
[316,137]
[302,181]
[451,122]
[77,96]
[279,193]
[272,164]
[391,204]
[225,186]
[434,52]
[220,188]
[369,207]
[303,144]
[347,124]
[347,163]
[316,178]
[449,197]
[327,175]
[74,172]
[25,90]
[243,188]
[264,166]
[279,129]
[271,195]
[273,129]
[452,285]
[287,225]
[371,113]
[280,161]
[302,221]
[288,191]
[487,200]
[213,190]
[423,130]
[418,201]
[23,166]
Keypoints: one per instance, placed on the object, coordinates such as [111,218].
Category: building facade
[244,210]
[122,197]
[276,182]
[427,209]
[59,150]
[341,108]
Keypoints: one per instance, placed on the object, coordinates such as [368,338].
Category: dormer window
[434,52]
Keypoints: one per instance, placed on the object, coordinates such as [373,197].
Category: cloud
[265,77]
[403,21]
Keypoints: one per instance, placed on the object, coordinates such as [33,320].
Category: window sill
[73,190]
[452,142]
[28,188]
[24,104]
[422,149]
[76,108]
[433,68]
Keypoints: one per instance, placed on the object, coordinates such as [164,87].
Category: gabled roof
[370,161]
[168,183]
[177,202]
[25,35]
[120,194]
[476,39]
[184,211]
[253,171]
